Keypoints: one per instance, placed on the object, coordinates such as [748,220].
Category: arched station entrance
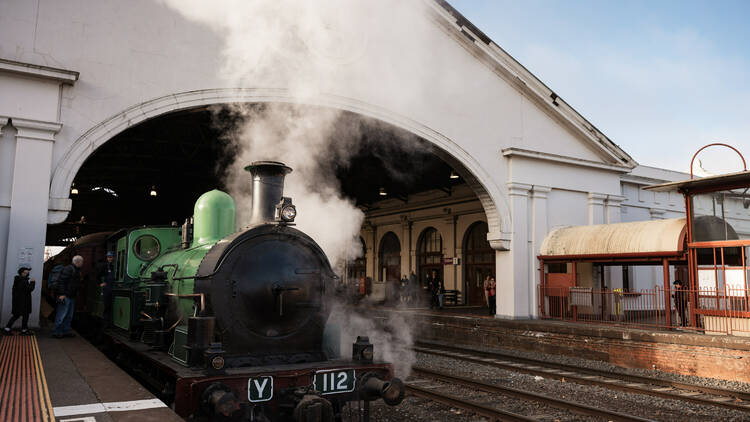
[152,172]
[389,257]
[479,263]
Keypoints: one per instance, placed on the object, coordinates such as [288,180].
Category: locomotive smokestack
[268,189]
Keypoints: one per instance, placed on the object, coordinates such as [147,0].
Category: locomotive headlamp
[285,211]
[288,213]
[363,350]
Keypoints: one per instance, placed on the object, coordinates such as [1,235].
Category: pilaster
[614,208]
[596,208]
[512,267]
[539,230]
[28,205]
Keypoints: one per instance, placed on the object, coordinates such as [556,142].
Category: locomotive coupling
[392,392]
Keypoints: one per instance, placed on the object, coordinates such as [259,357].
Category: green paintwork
[121,257]
[168,237]
[121,312]
[187,261]
[213,217]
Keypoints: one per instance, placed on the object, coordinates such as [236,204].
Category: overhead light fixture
[73,189]
[382,192]
[153,191]
[453,175]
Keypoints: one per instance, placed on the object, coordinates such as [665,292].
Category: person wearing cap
[680,302]
[66,292]
[106,282]
[22,288]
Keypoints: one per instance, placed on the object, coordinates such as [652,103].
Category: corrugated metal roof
[617,239]
[732,179]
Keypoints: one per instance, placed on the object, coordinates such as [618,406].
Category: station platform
[679,352]
[69,380]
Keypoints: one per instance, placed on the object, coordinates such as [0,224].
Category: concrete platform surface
[85,386]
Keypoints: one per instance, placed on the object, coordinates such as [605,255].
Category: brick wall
[723,357]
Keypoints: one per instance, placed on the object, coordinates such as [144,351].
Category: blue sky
[659,78]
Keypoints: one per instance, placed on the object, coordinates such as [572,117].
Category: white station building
[73,76]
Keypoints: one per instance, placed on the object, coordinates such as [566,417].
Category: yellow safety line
[45,404]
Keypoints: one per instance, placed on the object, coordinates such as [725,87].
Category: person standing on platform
[439,287]
[681,302]
[107,281]
[66,291]
[22,288]
[491,290]
[413,288]
[485,283]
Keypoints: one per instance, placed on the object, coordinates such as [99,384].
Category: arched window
[390,258]
[429,255]
[479,262]
[357,267]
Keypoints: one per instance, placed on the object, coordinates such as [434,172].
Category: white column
[539,230]
[405,246]
[368,233]
[512,267]
[28,206]
[7,157]
[614,208]
[596,208]
[449,250]
[613,274]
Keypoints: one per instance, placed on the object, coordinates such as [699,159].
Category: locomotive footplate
[270,389]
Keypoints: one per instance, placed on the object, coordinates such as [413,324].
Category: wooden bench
[452,297]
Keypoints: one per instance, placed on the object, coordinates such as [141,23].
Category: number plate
[260,389]
[334,381]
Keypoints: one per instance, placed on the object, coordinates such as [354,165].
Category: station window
[557,268]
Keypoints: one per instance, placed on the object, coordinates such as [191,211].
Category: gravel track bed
[604,366]
[633,404]
[511,404]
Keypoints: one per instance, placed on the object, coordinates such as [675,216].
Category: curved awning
[639,238]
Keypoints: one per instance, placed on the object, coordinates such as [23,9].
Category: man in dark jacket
[22,288]
[66,291]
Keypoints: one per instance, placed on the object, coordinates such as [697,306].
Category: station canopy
[721,181]
[636,240]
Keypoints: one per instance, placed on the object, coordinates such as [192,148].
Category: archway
[479,263]
[429,255]
[389,259]
[476,177]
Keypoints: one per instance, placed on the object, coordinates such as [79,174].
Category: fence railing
[711,311]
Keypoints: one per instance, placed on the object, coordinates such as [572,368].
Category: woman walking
[22,288]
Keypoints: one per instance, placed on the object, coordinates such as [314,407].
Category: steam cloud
[297,46]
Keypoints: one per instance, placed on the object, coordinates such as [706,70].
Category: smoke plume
[297,46]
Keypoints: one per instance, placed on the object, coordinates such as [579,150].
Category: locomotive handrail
[200,295]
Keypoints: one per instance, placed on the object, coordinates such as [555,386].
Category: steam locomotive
[229,325]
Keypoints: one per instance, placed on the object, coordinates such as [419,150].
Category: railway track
[425,387]
[709,396]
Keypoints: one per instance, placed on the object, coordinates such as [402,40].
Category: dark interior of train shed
[152,173]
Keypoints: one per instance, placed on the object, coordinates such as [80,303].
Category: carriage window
[146,247]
